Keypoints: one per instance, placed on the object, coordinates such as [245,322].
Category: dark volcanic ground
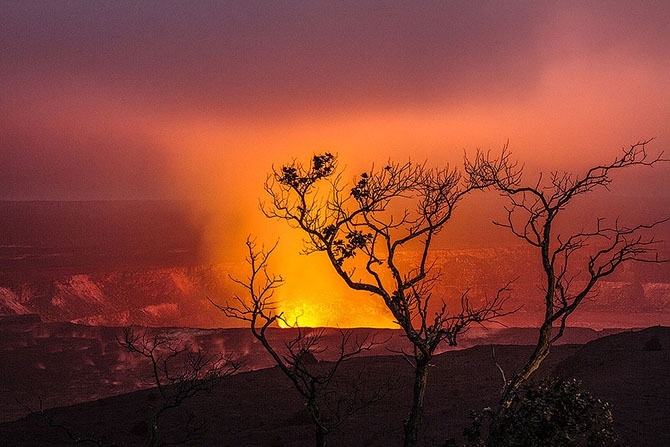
[65,363]
[260,408]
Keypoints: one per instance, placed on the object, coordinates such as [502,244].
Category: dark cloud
[250,57]
[640,28]
[246,56]
[259,60]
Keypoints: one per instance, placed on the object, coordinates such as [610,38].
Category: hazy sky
[171,99]
[174,99]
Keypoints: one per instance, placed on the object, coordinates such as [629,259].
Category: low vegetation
[553,412]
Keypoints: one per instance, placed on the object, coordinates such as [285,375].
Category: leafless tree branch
[573,265]
[363,229]
[179,373]
[314,381]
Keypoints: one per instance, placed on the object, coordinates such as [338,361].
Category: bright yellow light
[346,311]
[314,296]
[304,315]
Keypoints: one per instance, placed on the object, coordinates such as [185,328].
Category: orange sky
[167,99]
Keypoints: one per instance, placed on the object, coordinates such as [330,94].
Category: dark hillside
[260,408]
[630,370]
[66,363]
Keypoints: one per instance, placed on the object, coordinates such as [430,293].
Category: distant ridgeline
[89,236]
[120,263]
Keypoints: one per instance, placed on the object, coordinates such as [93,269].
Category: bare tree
[179,373]
[364,231]
[574,264]
[315,381]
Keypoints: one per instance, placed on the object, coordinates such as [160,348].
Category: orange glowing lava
[314,296]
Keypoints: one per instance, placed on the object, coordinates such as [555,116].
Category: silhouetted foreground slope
[261,409]
[66,363]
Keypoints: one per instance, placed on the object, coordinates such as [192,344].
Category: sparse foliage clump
[552,413]
[653,344]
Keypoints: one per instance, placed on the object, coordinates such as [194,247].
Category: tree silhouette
[179,373]
[365,229]
[326,403]
[572,264]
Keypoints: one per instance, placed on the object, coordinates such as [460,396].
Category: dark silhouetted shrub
[653,344]
[553,413]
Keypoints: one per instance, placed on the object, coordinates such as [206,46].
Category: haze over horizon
[133,100]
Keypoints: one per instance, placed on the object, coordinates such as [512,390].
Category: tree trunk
[546,330]
[320,436]
[320,430]
[414,419]
[539,354]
